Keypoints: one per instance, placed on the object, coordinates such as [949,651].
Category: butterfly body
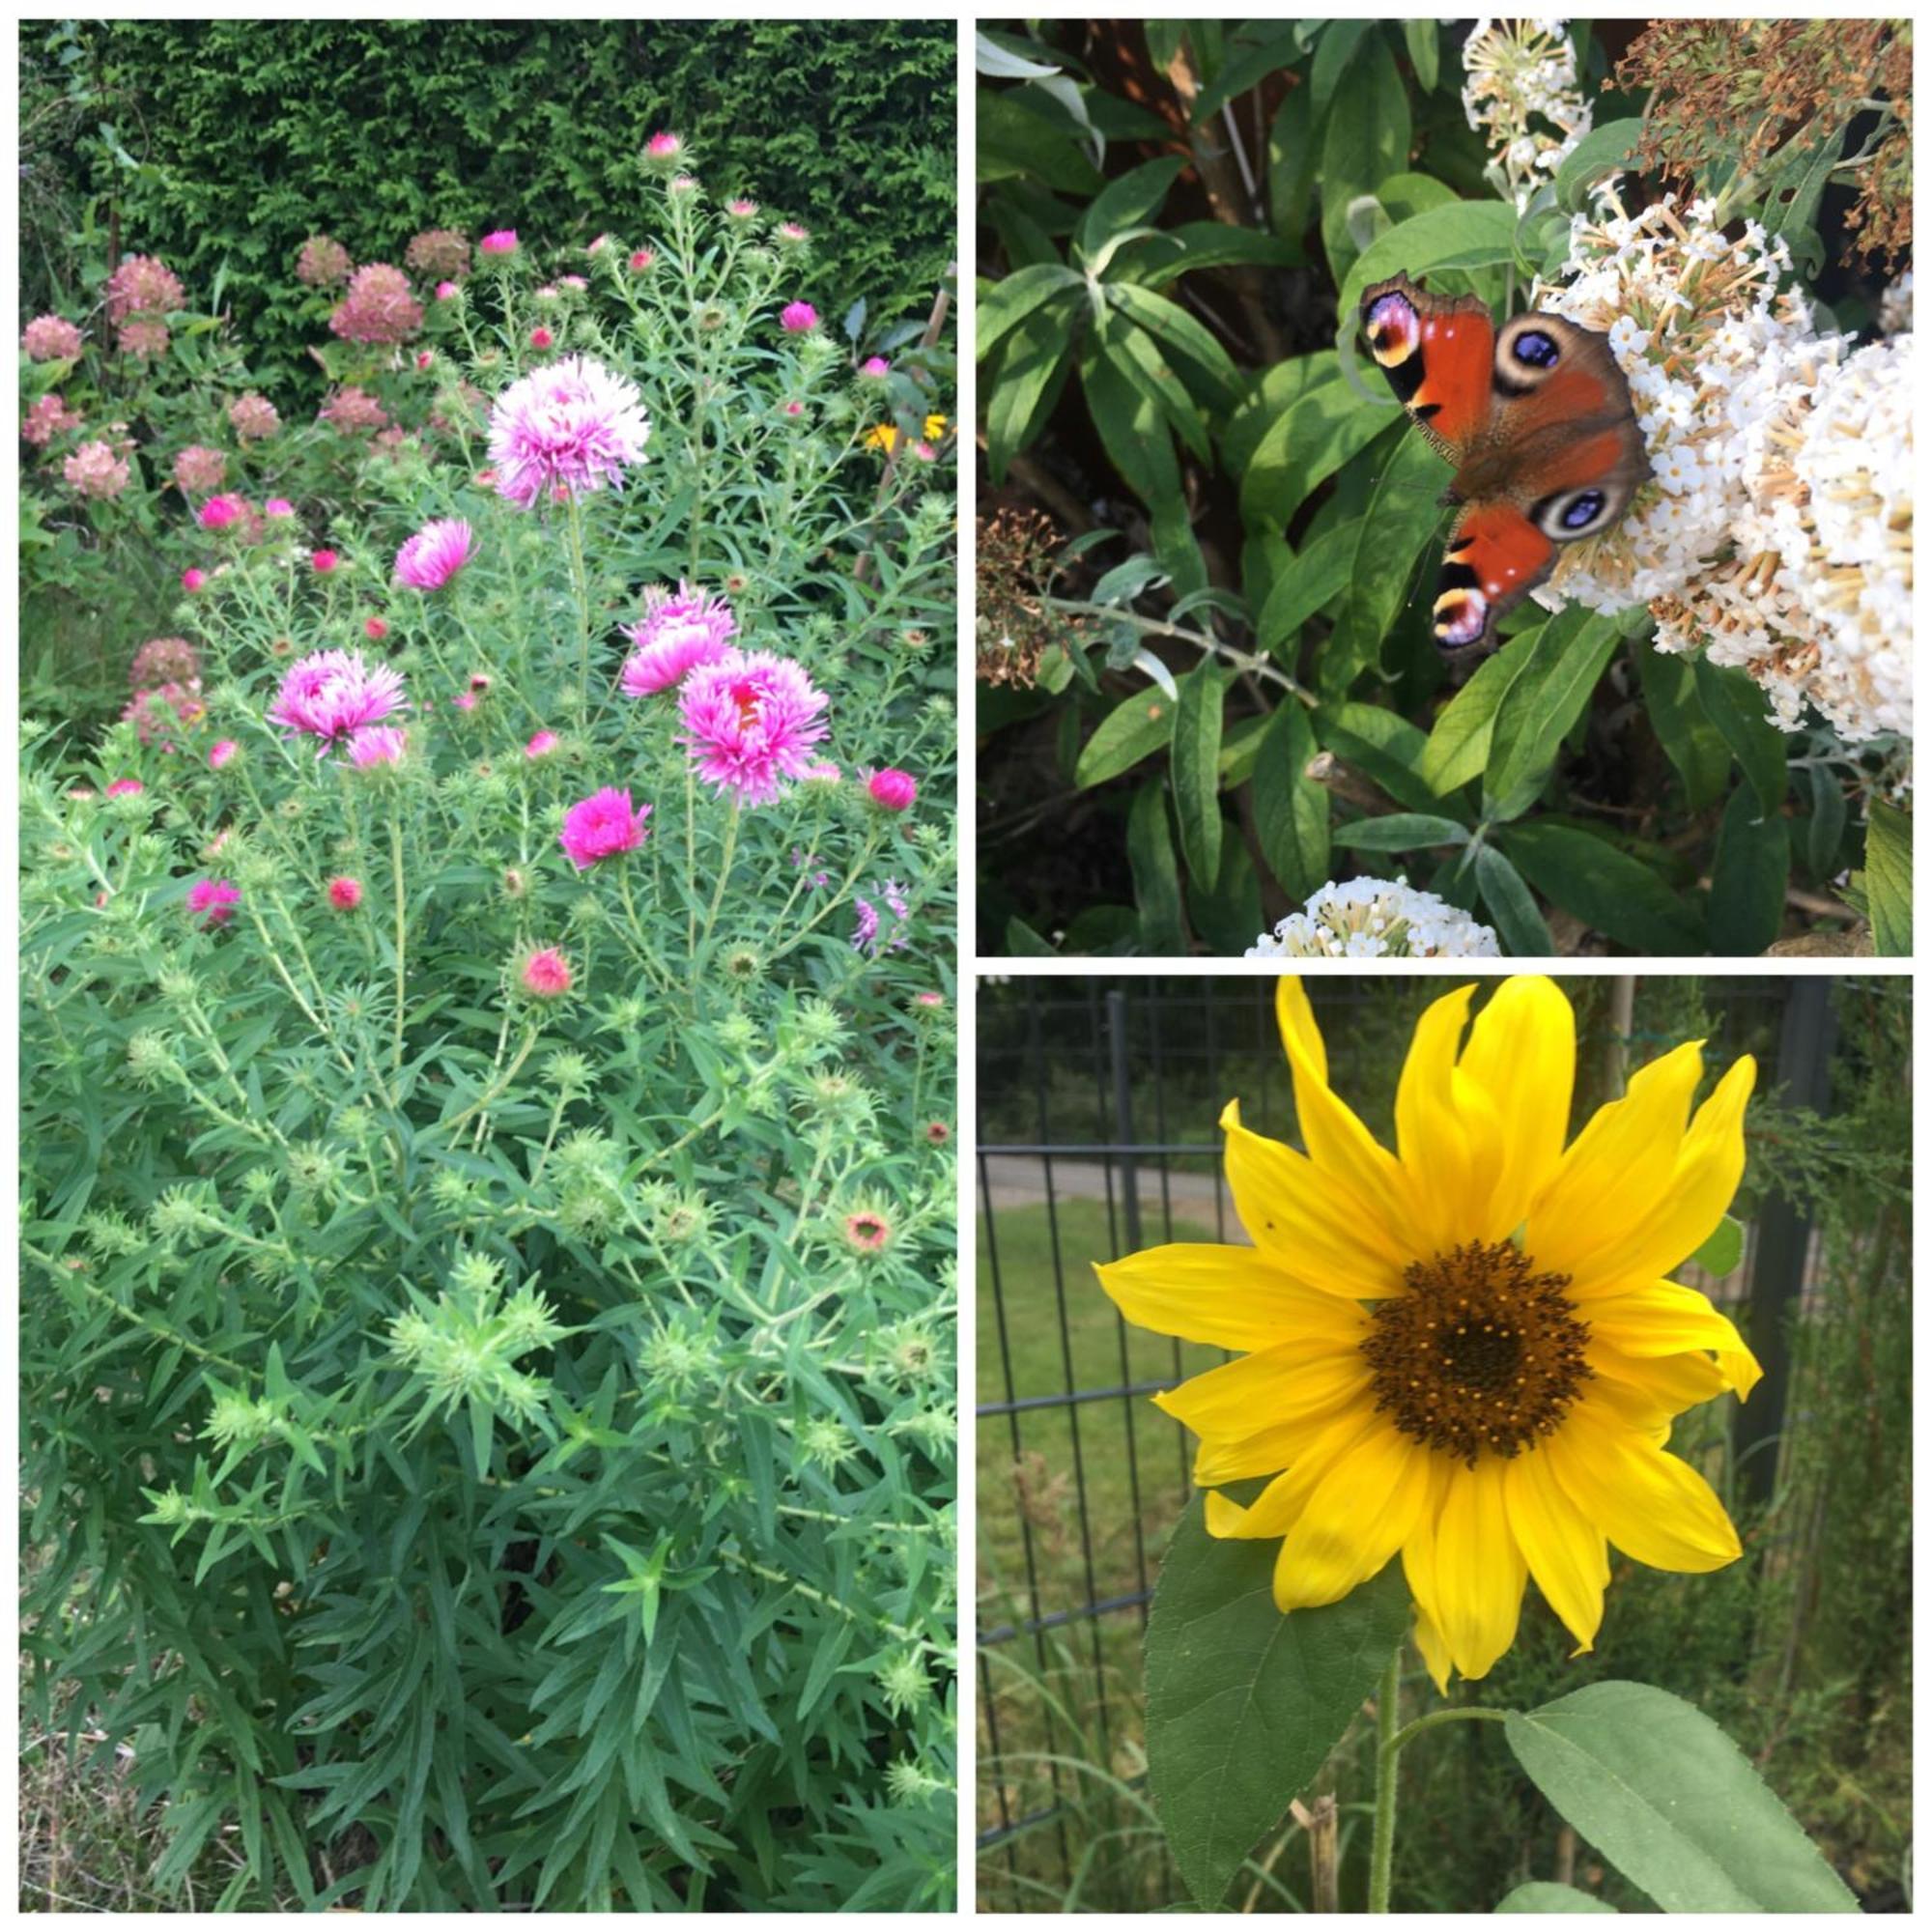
[1537,418]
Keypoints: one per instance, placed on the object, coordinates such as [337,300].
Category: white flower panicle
[1521,72]
[1778,532]
[1375,919]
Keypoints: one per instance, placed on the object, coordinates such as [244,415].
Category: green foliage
[1260,510]
[489,1443]
[222,145]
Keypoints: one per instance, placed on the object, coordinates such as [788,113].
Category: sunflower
[1465,1350]
[886,436]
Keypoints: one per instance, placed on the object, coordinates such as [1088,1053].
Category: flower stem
[396,860]
[723,868]
[1388,1752]
[582,604]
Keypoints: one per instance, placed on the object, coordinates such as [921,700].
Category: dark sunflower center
[1481,1353]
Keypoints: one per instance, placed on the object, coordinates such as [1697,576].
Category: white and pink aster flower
[430,558]
[680,629]
[573,426]
[751,720]
[331,693]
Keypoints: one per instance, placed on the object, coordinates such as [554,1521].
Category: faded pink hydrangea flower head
[198,470]
[143,286]
[378,307]
[50,338]
[214,900]
[600,825]
[441,252]
[47,417]
[142,337]
[430,558]
[322,262]
[94,470]
[573,426]
[796,318]
[330,694]
[751,720]
[351,410]
[164,661]
[253,417]
[680,629]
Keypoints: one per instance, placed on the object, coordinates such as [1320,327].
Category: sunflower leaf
[1245,1703]
[1672,1802]
[1724,1249]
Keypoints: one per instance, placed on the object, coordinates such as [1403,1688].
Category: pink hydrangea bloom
[193,578]
[751,720]
[345,893]
[94,470]
[351,410]
[545,973]
[221,752]
[892,789]
[165,661]
[156,713]
[218,512]
[377,745]
[600,825]
[430,558]
[499,242]
[796,317]
[331,693]
[125,788]
[438,251]
[542,743]
[213,899]
[46,417]
[379,306]
[50,338]
[142,285]
[572,426]
[680,629]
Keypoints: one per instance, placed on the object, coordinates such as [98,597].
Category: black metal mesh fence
[1097,1136]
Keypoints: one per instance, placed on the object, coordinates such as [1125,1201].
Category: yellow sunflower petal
[1275,1385]
[1317,1230]
[1203,1291]
[1276,1508]
[1653,1505]
[1615,1170]
[1428,1641]
[1446,1129]
[1357,1515]
[1664,1318]
[1646,1389]
[1337,1142]
[1479,1572]
[1679,1220]
[1522,1053]
[1564,1549]
[1230,1458]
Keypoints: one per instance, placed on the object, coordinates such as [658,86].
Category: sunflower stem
[1447,1716]
[1388,1754]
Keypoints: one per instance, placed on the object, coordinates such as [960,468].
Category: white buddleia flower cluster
[1375,919]
[1521,73]
[1776,533]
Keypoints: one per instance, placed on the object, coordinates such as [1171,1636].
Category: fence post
[1123,1113]
[1804,1043]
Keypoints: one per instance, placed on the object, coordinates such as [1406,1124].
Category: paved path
[1020,1180]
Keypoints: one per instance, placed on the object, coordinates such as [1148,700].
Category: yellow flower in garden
[1465,1350]
[886,436]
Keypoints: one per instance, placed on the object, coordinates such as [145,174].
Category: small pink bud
[541,337]
[424,357]
[219,753]
[279,506]
[545,973]
[664,147]
[345,895]
[125,788]
[323,561]
[542,743]
[642,258]
[875,366]
[445,290]
[193,580]
[796,318]
[376,629]
[892,790]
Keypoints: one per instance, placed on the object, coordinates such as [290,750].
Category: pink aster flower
[444,291]
[125,788]
[192,579]
[499,242]
[680,629]
[875,366]
[545,973]
[50,338]
[542,743]
[218,512]
[682,185]
[279,506]
[573,426]
[377,745]
[215,899]
[322,561]
[642,258]
[741,210]
[664,147]
[425,357]
[750,720]
[892,789]
[600,825]
[794,408]
[221,752]
[332,693]
[541,337]
[430,558]
[345,893]
[790,231]
[796,317]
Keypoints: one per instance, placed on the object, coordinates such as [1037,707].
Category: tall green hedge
[225,143]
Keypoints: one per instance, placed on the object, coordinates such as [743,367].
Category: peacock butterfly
[1537,418]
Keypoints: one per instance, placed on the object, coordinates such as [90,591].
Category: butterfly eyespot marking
[1574,514]
[1394,330]
[1461,618]
[1535,348]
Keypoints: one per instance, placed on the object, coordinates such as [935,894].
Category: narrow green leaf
[1227,912]
[1458,741]
[1460,234]
[1888,880]
[1691,742]
[1292,153]
[1008,302]
[1401,831]
[1126,202]
[1608,889]
[1520,924]
[1603,151]
[1750,871]
[1291,810]
[1381,745]
[1312,437]
[1403,523]
[1544,699]
[1245,1703]
[1309,581]
[1032,370]
[1419,37]
[1672,1802]
[1179,329]
[1825,829]
[1156,875]
[1197,752]
[1135,729]
[1334,51]
[1538,1896]
[1365,138]
[1735,706]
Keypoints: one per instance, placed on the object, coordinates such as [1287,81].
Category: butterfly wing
[1541,429]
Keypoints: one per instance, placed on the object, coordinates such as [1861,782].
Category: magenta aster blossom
[571,427]
[279,506]
[218,512]
[642,258]
[796,317]
[875,366]
[50,338]
[125,788]
[542,743]
[377,745]
[750,722]
[437,552]
[193,578]
[790,231]
[664,147]
[545,973]
[499,242]
[213,899]
[221,752]
[445,290]
[892,789]
[600,825]
[680,629]
[331,693]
